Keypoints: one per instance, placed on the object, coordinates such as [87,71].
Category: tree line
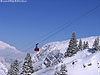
[27,68]
[73,47]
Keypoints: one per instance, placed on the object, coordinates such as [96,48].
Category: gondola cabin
[36,48]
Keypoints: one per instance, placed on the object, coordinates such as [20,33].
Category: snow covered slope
[7,55]
[54,52]
[10,53]
[59,45]
[3,69]
[81,59]
[90,61]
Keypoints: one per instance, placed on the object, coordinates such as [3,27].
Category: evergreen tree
[72,47]
[57,72]
[80,45]
[27,66]
[63,70]
[87,45]
[96,44]
[84,45]
[14,68]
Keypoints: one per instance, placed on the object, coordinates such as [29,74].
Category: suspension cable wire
[65,26]
[71,23]
[47,34]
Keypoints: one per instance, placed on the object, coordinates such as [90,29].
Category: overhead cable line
[71,23]
[66,25]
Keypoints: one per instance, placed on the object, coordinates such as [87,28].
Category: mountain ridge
[47,51]
[48,48]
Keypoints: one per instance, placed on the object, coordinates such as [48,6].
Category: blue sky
[24,24]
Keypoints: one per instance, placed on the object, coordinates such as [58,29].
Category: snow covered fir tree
[72,47]
[27,66]
[80,46]
[96,45]
[14,68]
[57,72]
[63,70]
[85,45]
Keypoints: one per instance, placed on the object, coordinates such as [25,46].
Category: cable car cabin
[36,48]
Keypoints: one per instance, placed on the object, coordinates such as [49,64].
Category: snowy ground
[8,54]
[81,59]
[86,63]
[91,62]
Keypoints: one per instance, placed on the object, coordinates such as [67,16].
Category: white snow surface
[3,69]
[91,61]
[4,45]
[8,54]
[80,59]
[83,58]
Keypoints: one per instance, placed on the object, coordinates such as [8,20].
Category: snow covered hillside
[59,45]
[10,53]
[7,55]
[85,62]
[51,56]
[3,69]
